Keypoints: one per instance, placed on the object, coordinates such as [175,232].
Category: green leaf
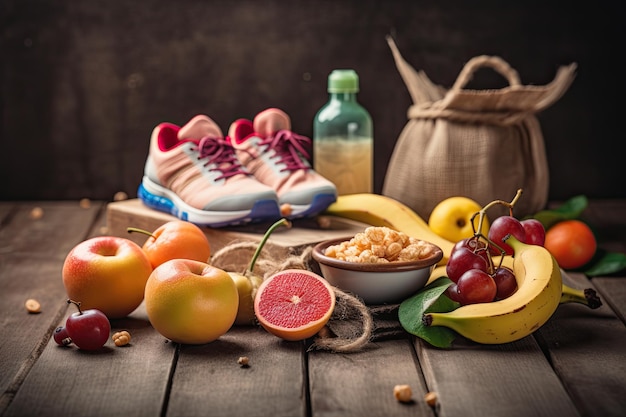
[608,263]
[569,210]
[430,299]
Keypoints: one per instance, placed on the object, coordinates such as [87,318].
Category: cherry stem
[483,212]
[77,304]
[134,229]
[257,252]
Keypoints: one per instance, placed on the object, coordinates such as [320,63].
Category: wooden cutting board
[283,241]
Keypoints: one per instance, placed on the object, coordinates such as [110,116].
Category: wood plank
[305,232]
[102,383]
[586,349]
[111,382]
[209,381]
[62,225]
[361,383]
[513,380]
[5,209]
[31,257]
[613,292]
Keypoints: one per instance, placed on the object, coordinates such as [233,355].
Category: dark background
[83,83]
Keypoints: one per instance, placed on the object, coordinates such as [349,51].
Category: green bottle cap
[343,81]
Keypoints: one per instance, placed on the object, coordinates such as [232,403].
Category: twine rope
[348,308]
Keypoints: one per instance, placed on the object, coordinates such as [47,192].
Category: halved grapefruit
[294,304]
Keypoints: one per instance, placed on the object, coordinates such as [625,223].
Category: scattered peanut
[285,209]
[379,244]
[243,361]
[120,196]
[431,398]
[33,306]
[85,203]
[121,338]
[403,393]
[324,222]
[36,213]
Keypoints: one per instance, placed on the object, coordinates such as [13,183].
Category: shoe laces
[290,149]
[221,155]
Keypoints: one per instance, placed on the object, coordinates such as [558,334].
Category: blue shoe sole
[320,203]
[262,211]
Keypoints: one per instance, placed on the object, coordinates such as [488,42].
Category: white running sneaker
[279,158]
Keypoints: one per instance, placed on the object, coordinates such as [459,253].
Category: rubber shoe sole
[164,200]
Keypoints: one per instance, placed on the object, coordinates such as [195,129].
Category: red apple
[107,273]
[191,302]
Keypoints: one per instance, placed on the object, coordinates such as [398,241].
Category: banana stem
[587,297]
[504,203]
[257,252]
[483,212]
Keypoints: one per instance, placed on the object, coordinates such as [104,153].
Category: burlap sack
[482,144]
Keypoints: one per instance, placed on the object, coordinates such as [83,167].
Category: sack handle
[497,63]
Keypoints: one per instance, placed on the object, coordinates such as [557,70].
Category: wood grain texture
[613,293]
[572,366]
[581,345]
[113,381]
[283,241]
[339,383]
[512,379]
[209,380]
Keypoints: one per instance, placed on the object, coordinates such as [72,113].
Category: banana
[437,272]
[587,297]
[538,295]
[379,210]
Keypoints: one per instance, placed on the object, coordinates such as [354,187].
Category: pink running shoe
[278,158]
[193,173]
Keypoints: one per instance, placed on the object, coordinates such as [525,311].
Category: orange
[176,239]
[571,242]
[294,304]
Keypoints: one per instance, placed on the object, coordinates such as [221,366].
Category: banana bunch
[379,210]
[537,297]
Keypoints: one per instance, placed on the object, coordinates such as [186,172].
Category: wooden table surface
[575,365]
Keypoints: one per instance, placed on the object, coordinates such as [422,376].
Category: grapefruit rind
[294,304]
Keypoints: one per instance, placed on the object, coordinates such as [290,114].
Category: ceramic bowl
[383,283]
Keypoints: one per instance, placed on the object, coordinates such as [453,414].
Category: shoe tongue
[271,121]
[199,127]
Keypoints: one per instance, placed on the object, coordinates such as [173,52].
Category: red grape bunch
[476,277]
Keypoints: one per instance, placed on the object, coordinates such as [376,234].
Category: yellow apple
[191,302]
[452,218]
[107,273]
[245,287]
